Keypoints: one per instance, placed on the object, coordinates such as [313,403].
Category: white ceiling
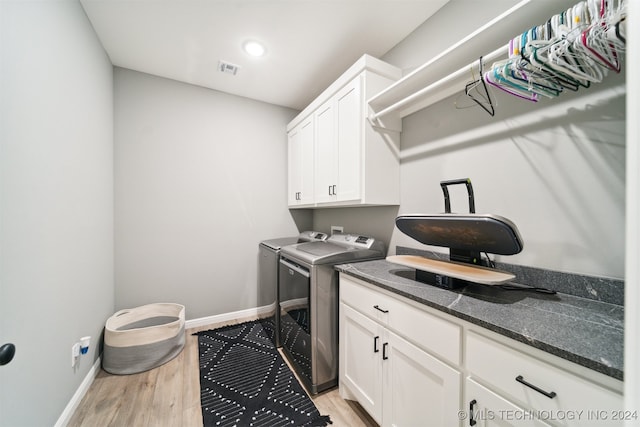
[309,42]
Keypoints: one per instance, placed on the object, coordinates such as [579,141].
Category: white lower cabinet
[396,382]
[544,391]
[409,365]
[360,360]
[418,389]
[488,409]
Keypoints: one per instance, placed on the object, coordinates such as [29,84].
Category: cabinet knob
[7,351]
[375,344]
[384,351]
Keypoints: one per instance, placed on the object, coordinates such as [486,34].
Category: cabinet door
[307,165]
[485,408]
[300,164]
[360,359]
[294,160]
[419,390]
[325,153]
[349,125]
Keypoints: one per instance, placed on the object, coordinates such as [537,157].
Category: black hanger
[618,32]
[485,97]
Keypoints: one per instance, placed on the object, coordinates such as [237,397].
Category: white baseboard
[225,317]
[66,415]
[294,303]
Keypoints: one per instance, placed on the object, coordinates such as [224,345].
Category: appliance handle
[296,268]
[465,181]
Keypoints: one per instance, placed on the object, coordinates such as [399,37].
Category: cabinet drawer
[487,408]
[367,301]
[427,331]
[517,375]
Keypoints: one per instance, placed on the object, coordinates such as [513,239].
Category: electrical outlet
[75,353]
[337,229]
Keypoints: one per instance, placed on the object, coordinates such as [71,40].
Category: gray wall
[200,179]
[56,203]
[556,169]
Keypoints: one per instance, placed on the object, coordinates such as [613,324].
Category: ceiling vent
[228,68]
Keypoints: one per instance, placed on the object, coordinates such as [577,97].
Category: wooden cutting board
[457,270]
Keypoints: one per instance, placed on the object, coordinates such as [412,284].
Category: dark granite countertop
[584,331]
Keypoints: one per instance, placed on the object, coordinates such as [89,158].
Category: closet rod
[498,53]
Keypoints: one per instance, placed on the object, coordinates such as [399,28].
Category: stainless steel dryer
[308,286]
[268,257]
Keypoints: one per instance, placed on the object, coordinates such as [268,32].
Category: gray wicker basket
[143,338]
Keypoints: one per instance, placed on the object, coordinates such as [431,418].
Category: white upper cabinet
[353,162]
[349,119]
[325,148]
[300,187]
[338,146]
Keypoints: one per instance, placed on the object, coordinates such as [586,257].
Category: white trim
[294,303]
[632,269]
[225,317]
[71,407]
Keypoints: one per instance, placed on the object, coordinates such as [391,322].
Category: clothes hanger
[559,56]
[573,49]
[522,79]
[616,32]
[516,77]
[596,45]
[621,30]
[531,63]
[619,16]
[594,42]
[564,58]
[540,60]
[536,82]
[468,94]
[477,90]
[493,79]
[541,82]
[501,75]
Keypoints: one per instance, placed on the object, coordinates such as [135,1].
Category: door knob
[7,351]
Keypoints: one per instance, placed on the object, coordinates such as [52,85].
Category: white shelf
[447,73]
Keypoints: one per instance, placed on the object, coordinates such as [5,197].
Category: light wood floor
[170,396]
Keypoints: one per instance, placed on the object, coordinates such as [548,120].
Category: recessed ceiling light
[254,48]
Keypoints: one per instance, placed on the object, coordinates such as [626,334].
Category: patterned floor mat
[245,382]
